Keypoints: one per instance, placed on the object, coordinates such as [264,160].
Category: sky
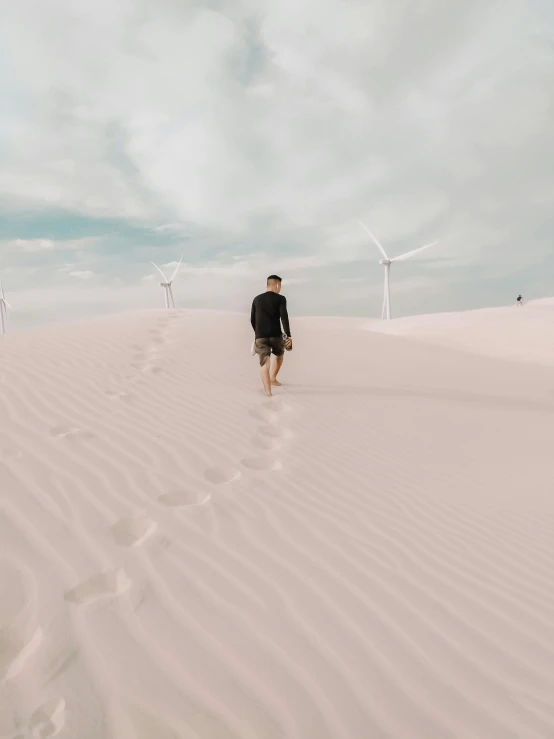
[252,136]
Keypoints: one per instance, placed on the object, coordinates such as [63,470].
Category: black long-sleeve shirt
[268,310]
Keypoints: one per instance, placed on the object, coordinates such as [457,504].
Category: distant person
[519,301]
[268,311]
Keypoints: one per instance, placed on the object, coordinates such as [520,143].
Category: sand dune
[519,334]
[367,555]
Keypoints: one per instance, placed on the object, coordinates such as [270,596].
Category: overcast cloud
[253,135]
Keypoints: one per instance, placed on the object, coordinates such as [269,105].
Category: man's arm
[285,316]
[253,315]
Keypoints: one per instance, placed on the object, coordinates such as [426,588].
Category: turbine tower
[386,262]
[4,305]
[166,284]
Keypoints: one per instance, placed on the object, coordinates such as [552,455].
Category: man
[519,300]
[268,310]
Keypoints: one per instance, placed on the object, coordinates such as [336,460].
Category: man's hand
[288,343]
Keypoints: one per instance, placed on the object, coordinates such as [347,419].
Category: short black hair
[274,278]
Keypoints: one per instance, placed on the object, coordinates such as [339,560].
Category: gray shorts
[265,347]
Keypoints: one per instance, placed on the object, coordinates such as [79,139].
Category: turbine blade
[159,270]
[174,275]
[411,253]
[7,304]
[379,246]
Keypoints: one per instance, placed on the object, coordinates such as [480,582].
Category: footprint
[276,405]
[61,431]
[275,432]
[105,585]
[161,544]
[133,531]
[119,395]
[61,664]
[266,442]
[15,656]
[20,634]
[48,720]
[263,414]
[153,370]
[83,435]
[70,432]
[184,497]
[221,475]
[262,463]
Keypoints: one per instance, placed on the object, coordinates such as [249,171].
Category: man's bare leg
[276,367]
[265,376]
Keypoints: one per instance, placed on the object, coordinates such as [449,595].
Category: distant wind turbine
[387,263]
[166,284]
[4,305]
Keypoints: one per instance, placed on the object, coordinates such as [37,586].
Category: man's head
[274,283]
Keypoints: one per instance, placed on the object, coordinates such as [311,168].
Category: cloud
[85,275]
[38,246]
[171,227]
[178,229]
[236,269]
[34,245]
[269,128]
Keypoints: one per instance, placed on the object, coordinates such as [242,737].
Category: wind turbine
[166,284]
[387,263]
[4,305]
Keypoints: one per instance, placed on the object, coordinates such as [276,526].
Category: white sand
[521,334]
[369,554]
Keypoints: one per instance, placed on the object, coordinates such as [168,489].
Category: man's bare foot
[269,395]
[276,382]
